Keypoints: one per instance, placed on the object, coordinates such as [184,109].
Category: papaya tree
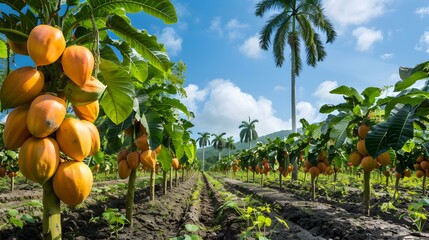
[352,123]
[405,117]
[79,26]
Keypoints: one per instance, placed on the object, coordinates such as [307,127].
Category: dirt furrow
[325,220]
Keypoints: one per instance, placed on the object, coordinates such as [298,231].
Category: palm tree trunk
[293,100]
[203,158]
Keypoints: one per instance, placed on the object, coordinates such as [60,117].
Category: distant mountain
[210,152]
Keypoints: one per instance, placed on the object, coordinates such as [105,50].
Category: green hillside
[211,154]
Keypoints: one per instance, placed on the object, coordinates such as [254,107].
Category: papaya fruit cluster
[421,166]
[361,157]
[128,161]
[323,166]
[51,144]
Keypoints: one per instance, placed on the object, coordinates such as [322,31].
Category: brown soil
[325,218]
[328,220]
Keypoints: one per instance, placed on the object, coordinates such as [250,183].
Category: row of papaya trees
[96,85]
[370,130]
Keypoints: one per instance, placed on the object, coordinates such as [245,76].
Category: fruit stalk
[51,212]
[366,192]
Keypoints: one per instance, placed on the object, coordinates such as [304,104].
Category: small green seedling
[18,221]
[192,229]
[417,212]
[113,218]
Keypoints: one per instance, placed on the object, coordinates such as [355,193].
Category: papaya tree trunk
[424,185]
[152,185]
[262,179]
[12,183]
[164,180]
[335,176]
[129,204]
[366,192]
[305,179]
[396,188]
[171,178]
[175,178]
[387,181]
[183,174]
[51,212]
[253,176]
[313,188]
[280,180]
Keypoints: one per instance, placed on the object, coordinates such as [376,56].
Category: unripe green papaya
[90,92]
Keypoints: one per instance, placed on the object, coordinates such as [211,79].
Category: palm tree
[219,142]
[297,21]
[203,141]
[248,132]
[230,145]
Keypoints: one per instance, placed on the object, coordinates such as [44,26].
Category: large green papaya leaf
[401,126]
[146,45]
[339,131]
[174,103]
[411,75]
[190,151]
[164,157]
[347,91]
[393,133]
[370,94]
[175,131]
[162,9]
[131,59]
[117,100]
[153,124]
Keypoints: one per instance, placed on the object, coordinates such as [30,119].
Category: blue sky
[229,78]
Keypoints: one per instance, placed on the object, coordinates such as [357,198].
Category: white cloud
[279,88]
[423,11]
[423,44]
[224,106]
[171,40]
[194,95]
[235,24]
[216,27]
[366,37]
[354,12]
[250,47]
[235,28]
[322,92]
[387,56]
[307,111]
